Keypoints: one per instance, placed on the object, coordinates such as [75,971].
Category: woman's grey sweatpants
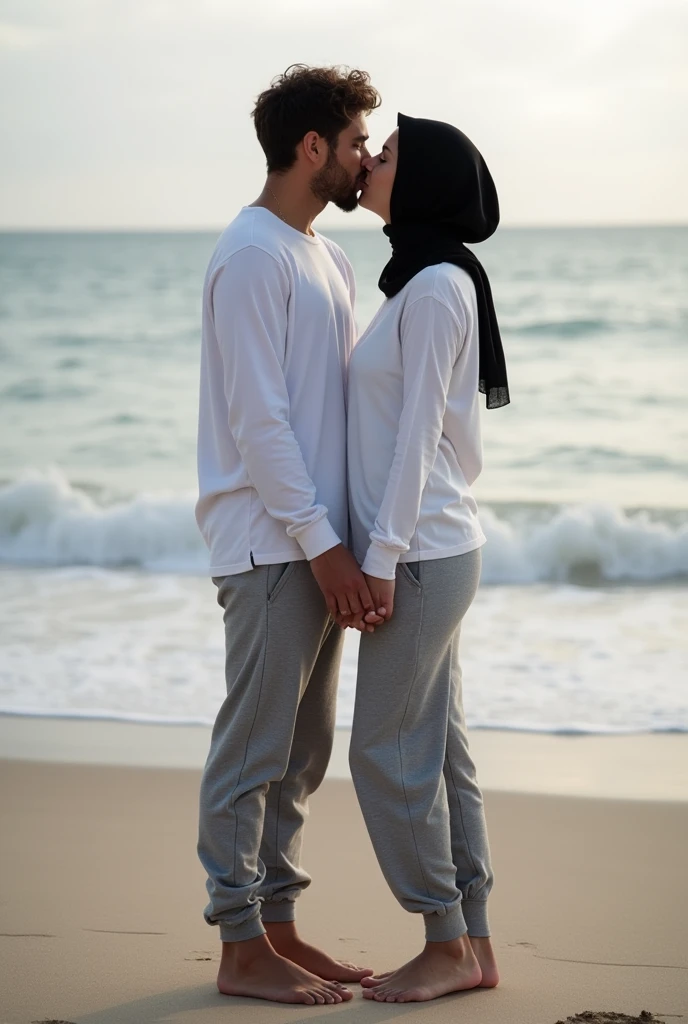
[270,746]
[409,757]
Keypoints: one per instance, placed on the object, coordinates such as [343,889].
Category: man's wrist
[317,538]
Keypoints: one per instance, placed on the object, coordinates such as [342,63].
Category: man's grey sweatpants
[270,746]
[409,756]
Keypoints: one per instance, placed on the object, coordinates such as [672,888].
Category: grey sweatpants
[409,757]
[270,746]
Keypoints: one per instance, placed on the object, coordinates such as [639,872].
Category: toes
[353,972]
[355,967]
[375,980]
[340,992]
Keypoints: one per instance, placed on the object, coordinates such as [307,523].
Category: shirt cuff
[381,562]
[317,538]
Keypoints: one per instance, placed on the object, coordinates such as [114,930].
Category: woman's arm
[432,337]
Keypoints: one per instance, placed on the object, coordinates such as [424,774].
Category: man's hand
[344,588]
[382,593]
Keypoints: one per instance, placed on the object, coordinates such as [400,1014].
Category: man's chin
[348,204]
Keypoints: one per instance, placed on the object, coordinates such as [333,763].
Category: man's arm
[249,300]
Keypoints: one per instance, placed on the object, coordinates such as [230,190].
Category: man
[278,331]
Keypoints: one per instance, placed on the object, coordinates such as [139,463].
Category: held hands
[382,593]
[347,592]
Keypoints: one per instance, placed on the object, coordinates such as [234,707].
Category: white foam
[149,647]
[44,520]
[614,544]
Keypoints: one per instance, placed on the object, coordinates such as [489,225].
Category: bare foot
[285,939]
[484,954]
[442,967]
[254,969]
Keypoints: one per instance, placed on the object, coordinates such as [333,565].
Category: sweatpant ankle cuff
[251,929]
[276,912]
[475,916]
[445,927]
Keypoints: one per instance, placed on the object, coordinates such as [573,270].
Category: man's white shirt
[277,335]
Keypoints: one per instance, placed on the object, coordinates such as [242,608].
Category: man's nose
[367,160]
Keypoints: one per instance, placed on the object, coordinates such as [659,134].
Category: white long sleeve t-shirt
[278,332]
[414,444]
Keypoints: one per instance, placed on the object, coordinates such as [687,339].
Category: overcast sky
[119,113]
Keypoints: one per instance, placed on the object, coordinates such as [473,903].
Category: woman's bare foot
[253,968]
[286,941]
[484,954]
[442,967]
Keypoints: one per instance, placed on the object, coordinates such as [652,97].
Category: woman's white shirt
[414,443]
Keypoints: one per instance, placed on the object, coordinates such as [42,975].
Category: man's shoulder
[247,230]
[246,245]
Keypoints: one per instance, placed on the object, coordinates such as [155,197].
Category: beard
[333,184]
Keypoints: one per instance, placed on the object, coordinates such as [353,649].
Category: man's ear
[313,147]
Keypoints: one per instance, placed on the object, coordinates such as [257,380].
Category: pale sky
[135,113]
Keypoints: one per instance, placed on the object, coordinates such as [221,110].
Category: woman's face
[376,194]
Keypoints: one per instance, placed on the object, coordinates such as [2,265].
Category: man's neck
[292,201]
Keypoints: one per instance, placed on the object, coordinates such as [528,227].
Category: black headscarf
[443,196]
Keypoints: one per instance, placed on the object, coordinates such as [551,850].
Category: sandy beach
[100,917]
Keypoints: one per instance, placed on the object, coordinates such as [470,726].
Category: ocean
[581,620]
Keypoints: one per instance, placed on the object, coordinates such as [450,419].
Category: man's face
[341,179]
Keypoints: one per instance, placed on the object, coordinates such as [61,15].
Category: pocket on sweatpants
[278,575]
[411,572]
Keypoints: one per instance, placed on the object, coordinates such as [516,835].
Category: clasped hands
[354,599]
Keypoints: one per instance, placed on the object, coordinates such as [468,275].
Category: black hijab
[443,196]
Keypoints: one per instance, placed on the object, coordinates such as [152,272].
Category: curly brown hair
[305,99]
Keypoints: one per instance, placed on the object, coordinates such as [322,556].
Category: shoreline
[647,766]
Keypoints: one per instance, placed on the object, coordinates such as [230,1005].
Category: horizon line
[206,229]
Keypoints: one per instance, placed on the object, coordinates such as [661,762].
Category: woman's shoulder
[446,283]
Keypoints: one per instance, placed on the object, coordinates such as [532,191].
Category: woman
[414,451]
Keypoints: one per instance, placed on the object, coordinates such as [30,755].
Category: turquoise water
[584,496]
[99,351]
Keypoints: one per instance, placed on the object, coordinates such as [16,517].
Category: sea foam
[47,521]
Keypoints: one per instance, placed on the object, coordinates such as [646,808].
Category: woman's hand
[382,593]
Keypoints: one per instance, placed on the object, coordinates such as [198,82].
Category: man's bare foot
[484,954]
[442,967]
[287,942]
[253,968]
